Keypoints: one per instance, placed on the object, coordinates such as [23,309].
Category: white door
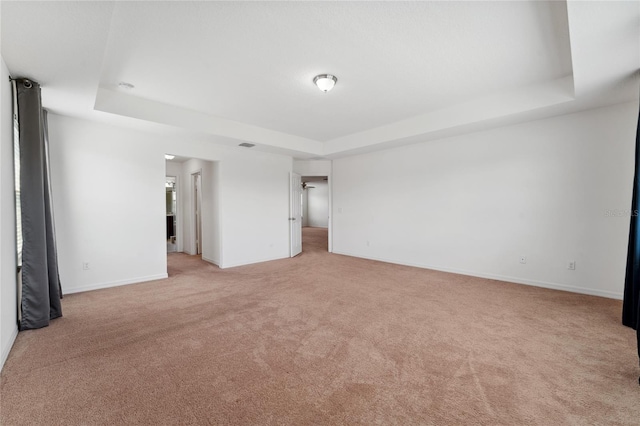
[295,214]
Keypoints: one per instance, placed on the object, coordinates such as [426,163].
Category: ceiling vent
[247,145]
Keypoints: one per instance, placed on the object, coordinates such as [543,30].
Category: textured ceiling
[242,71]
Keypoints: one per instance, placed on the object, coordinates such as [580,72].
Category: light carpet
[324,339]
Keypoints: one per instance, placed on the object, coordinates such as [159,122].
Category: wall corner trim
[212,261]
[251,262]
[118,283]
[7,349]
[497,277]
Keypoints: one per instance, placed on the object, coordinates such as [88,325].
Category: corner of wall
[8,292]
[6,347]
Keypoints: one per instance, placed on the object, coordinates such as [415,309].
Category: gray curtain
[38,278]
[631,303]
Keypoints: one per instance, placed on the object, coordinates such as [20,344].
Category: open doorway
[171,198]
[197,209]
[316,219]
[196,191]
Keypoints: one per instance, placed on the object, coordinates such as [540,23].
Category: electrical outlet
[85,266]
[523,259]
[368,243]
[571,265]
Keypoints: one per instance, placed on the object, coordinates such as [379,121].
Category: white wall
[553,190]
[109,201]
[312,167]
[305,208]
[173,168]
[8,294]
[318,204]
[94,164]
[254,200]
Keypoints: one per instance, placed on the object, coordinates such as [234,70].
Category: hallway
[315,240]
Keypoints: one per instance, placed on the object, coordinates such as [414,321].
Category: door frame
[196,215]
[330,221]
[329,207]
[295,214]
[177,214]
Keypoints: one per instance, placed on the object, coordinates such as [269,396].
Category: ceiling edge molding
[483,109]
[131,106]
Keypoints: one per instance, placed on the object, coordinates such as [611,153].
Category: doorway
[196,179]
[295,214]
[197,210]
[171,198]
[316,217]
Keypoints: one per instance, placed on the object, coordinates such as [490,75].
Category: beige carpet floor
[324,339]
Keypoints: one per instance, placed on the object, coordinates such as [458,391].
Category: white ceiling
[242,71]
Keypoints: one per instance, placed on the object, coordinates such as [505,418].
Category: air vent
[247,145]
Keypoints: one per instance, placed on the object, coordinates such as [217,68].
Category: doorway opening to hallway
[316,219]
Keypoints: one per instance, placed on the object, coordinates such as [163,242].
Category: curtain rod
[28,83]
[20,78]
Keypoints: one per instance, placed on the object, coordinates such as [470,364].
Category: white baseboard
[5,350]
[233,265]
[215,262]
[534,283]
[114,283]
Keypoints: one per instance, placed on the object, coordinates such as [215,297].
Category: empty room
[328,213]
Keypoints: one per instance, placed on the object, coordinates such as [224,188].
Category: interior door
[295,214]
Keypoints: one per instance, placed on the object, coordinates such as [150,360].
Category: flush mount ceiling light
[169,157]
[325,82]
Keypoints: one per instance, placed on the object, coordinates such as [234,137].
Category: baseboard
[114,283]
[7,349]
[217,263]
[233,265]
[516,280]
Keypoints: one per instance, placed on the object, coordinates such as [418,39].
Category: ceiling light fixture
[169,157]
[125,85]
[325,82]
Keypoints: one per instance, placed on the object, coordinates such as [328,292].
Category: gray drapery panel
[40,283]
[631,302]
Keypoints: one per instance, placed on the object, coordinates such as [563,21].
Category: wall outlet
[85,266]
[523,259]
[571,265]
[339,209]
[368,243]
